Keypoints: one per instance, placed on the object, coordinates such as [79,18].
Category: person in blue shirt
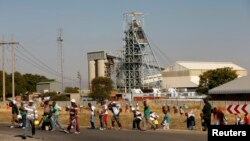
[190,120]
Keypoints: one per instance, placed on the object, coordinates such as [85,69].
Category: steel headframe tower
[60,58]
[139,62]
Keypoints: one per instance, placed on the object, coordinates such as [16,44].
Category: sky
[178,30]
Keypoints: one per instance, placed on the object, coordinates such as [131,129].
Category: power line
[43,64]
[161,52]
[33,56]
[28,60]
[31,61]
[40,67]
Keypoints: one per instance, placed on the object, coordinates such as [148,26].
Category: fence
[170,102]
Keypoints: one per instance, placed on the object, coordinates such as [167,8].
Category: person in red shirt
[73,112]
[220,116]
[246,119]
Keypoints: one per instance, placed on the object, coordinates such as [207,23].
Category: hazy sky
[183,30]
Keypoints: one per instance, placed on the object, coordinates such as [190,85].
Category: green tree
[23,83]
[214,78]
[32,80]
[101,88]
[71,90]
[20,84]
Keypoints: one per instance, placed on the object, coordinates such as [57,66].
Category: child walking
[166,120]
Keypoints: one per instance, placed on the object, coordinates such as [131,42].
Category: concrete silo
[99,65]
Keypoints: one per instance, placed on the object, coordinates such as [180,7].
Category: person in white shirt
[105,116]
[92,115]
[30,117]
[116,109]
[137,119]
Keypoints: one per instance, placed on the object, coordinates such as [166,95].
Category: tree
[71,90]
[214,78]
[23,83]
[32,80]
[101,88]
[20,84]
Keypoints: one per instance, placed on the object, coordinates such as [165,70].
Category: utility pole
[80,81]
[13,66]
[72,83]
[3,65]
[12,43]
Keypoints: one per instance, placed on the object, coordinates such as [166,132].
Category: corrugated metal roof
[208,65]
[238,86]
[184,84]
[188,84]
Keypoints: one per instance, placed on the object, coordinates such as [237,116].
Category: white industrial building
[100,64]
[96,65]
[48,86]
[184,75]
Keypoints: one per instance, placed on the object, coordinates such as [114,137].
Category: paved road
[110,135]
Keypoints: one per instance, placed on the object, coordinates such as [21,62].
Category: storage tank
[91,72]
[101,68]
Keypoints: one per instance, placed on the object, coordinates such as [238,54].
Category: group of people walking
[27,116]
[102,113]
[149,117]
[219,117]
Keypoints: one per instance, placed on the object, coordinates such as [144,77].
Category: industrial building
[48,86]
[184,75]
[136,66]
[237,89]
